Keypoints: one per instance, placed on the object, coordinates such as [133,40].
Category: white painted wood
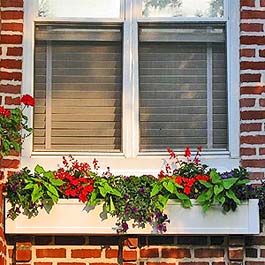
[72,217]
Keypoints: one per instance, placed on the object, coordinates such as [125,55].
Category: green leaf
[228,183]
[205,183]
[111,204]
[169,186]
[186,203]
[215,177]
[206,207]
[53,190]
[230,194]
[52,196]
[218,189]
[202,198]
[93,198]
[182,196]
[48,204]
[36,193]
[56,182]
[222,200]
[156,189]
[116,193]
[243,182]
[163,200]
[29,186]
[102,191]
[39,169]
[49,175]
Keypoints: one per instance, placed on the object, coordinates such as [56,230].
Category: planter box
[72,217]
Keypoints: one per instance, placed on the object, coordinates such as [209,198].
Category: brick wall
[146,250]
[252,78]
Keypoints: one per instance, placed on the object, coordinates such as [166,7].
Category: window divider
[48,116]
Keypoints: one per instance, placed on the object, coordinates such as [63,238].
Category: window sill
[70,217]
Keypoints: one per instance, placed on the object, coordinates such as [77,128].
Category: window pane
[79,8]
[174,90]
[78,92]
[183,8]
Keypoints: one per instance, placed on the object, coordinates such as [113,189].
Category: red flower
[178,180]
[187,152]
[187,190]
[171,153]
[27,100]
[7,113]
[199,148]
[161,175]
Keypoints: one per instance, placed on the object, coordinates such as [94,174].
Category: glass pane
[183,8]
[79,8]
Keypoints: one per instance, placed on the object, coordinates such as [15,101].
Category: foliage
[223,189]
[135,201]
[12,122]
[29,192]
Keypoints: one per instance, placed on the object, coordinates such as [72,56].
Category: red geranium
[77,177]
[27,100]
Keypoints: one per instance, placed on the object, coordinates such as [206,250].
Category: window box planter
[72,217]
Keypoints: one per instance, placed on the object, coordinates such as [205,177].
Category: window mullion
[209,96]
[48,118]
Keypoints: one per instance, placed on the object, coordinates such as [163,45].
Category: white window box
[72,217]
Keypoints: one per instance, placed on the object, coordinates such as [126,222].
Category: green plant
[222,188]
[30,192]
[12,124]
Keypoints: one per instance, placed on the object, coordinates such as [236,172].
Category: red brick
[256,175]
[164,263]
[12,101]
[102,263]
[253,65]
[262,102]
[42,263]
[10,163]
[254,262]
[111,253]
[262,151]
[12,3]
[247,102]
[251,27]
[129,255]
[193,263]
[11,39]
[251,14]
[51,253]
[262,3]
[247,53]
[208,253]
[131,242]
[14,51]
[11,64]
[149,253]
[262,253]
[71,263]
[250,78]
[258,40]
[12,14]
[252,115]
[10,89]
[236,254]
[12,27]
[176,253]
[257,139]
[86,253]
[247,3]
[11,76]
[254,163]
[249,90]
[247,151]
[218,263]
[23,251]
[262,53]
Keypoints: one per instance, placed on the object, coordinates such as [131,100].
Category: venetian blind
[182,87]
[78,88]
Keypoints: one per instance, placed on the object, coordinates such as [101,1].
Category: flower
[27,100]
[187,152]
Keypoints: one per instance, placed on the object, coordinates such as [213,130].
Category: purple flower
[140,219]
[126,197]
[134,209]
[149,220]
[158,215]
[224,176]
[124,226]
[18,210]
[15,186]
[142,190]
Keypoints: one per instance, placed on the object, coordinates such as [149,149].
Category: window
[133,77]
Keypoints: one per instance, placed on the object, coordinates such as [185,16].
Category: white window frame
[131,161]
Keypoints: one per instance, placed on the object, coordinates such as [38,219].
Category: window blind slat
[86,96]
